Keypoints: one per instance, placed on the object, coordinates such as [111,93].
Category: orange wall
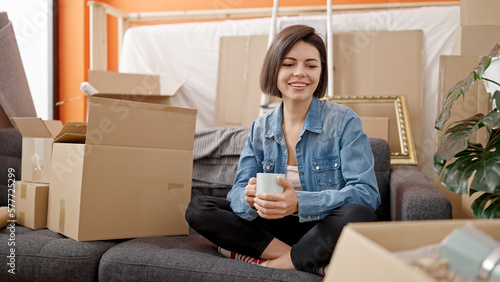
[73,57]
[74,36]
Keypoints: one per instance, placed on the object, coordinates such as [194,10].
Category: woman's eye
[287,65]
[312,66]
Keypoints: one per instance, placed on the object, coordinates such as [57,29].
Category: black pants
[312,242]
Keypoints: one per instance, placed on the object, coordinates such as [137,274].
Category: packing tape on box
[37,159]
[62,215]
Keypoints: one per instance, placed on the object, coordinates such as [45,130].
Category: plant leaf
[490,121]
[482,161]
[438,164]
[457,137]
[456,175]
[478,205]
[496,97]
[487,178]
[460,89]
[493,210]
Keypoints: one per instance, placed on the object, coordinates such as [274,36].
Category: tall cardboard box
[479,40]
[31,204]
[125,174]
[365,251]
[37,135]
[479,12]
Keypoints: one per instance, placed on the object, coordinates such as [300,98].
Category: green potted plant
[468,167]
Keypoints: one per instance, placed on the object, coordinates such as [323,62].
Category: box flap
[119,122]
[72,132]
[134,84]
[36,127]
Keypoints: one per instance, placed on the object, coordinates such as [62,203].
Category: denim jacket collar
[311,123]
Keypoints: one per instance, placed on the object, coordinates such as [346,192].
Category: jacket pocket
[326,171]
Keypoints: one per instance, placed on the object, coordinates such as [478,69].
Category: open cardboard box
[141,86]
[125,174]
[364,251]
[31,204]
[37,135]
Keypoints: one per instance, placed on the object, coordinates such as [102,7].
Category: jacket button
[302,172]
[317,167]
[309,217]
[336,165]
[298,147]
[268,167]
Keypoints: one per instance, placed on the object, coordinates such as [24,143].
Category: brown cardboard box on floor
[364,251]
[31,201]
[37,135]
[126,174]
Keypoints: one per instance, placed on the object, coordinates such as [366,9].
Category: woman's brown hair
[281,45]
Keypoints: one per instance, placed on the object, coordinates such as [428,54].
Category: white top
[292,175]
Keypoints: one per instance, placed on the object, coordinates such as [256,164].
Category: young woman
[320,146]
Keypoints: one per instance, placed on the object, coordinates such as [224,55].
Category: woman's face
[299,73]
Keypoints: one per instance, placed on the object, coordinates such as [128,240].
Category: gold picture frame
[402,146]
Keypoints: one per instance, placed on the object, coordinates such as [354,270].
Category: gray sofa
[43,255]
[10,158]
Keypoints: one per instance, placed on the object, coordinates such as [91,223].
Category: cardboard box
[377,127]
[364,251]
[479,12]
[363,60]
[126,174]
[31,201]
[37,135]
[147,88]
[238,86]
[479,40]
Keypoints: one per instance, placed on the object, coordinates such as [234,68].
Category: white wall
[32,23]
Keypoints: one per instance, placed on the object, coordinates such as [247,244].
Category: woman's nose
[299,71]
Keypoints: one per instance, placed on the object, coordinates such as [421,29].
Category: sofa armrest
[413,197]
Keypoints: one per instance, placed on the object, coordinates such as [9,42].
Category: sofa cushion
[10,157]
[184,258]
[11,141]
[382,156]
[43,255]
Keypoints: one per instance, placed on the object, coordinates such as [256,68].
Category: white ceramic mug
[268,182]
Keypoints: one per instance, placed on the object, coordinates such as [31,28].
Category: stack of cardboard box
[31,193]
[479,32]
[125,173]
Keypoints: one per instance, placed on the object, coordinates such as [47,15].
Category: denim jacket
[334,161]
